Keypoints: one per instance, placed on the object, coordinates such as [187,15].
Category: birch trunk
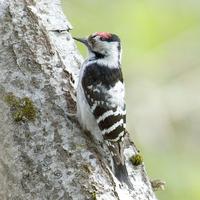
[43,152]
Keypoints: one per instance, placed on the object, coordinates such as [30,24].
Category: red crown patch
[105,35]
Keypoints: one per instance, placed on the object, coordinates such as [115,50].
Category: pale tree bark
[44,154]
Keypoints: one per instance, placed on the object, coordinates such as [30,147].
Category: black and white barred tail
[122,174]
[119,167]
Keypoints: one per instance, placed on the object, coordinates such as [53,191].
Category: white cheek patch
[113,55]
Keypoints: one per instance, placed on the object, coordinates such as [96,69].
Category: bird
[101,107]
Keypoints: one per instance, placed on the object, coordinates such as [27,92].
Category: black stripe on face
[98,55]
[114,134]
[109,121]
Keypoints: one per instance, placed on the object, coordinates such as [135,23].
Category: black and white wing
[104,91]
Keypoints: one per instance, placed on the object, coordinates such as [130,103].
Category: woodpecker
[100,97]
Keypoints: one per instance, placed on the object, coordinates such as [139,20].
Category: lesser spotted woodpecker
[100,97]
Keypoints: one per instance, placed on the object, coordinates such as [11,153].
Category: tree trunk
[44,154]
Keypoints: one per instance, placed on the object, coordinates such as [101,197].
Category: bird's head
[102,45]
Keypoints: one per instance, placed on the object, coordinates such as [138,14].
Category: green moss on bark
[136,160]
[22,109]
[94,196]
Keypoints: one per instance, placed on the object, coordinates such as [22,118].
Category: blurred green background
[161,59]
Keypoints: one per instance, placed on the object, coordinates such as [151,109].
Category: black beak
[82,40]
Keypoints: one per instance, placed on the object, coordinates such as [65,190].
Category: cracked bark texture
[48,156]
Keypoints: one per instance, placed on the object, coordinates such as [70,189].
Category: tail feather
[118,162]
[122,174]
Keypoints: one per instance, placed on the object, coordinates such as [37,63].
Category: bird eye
[102,38]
